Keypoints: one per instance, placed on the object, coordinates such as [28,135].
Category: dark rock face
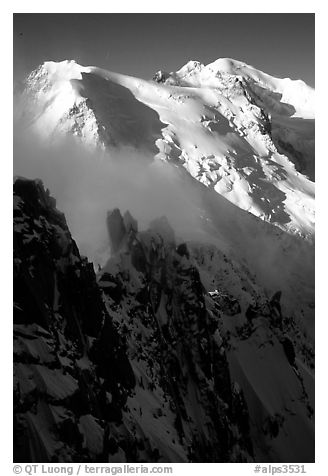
[160,76]
[116,229]
[137,377]
[67,353]
[131,225]
[226,303]
[182,250]
[173,347]
[289,350]
[140,363]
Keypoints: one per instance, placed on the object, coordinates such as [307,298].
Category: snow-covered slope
[238,284]
[244,134]
[296,94]
[235,135]
[167,296]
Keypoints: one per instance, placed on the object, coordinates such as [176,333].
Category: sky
[280,44]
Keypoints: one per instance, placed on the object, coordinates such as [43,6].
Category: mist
[88,182]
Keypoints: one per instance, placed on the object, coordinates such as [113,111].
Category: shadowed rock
[116,229]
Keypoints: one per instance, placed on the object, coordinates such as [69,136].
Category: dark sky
[140,44]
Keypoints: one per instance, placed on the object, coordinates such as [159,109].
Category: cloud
[87,183]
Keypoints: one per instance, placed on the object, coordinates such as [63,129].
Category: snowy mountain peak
[51,75]
[189,344]
[191,66]
[226,71]
[240,132]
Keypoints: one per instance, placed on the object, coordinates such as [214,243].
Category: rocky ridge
[172,352]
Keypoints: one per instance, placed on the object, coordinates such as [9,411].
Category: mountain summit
[185,346]
[244,134]
[241,140]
